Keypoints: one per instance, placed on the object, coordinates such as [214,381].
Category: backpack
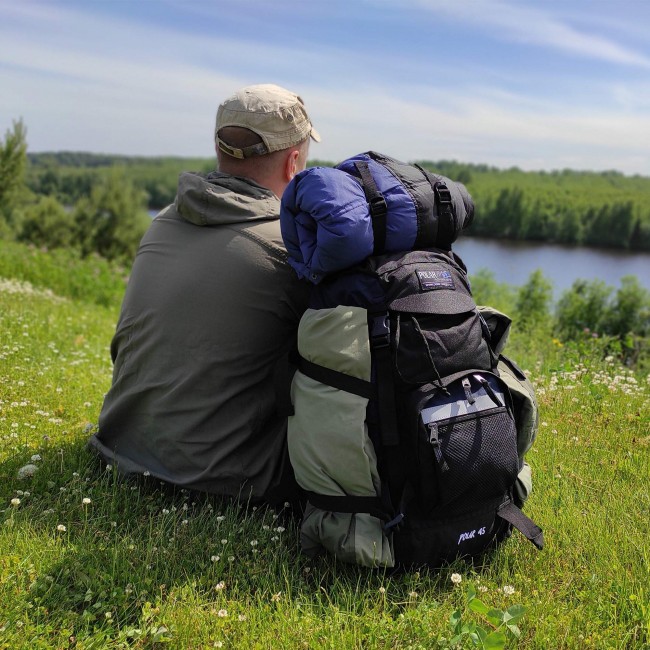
[409,426]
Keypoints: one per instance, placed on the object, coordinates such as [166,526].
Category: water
[513,262]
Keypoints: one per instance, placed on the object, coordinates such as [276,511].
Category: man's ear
[291,164]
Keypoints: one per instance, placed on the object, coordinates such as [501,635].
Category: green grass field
[89,561]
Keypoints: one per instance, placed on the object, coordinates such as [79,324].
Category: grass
[140,567]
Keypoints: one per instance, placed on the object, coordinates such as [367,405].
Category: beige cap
[276,114]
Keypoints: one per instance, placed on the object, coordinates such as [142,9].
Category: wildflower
[220,586]
[146,473]
[220,518]
[61,528]
[35,458]
[382,590]
[413,594]
[253,542]
[165,511]
[222,613]
[85,501]
[231,558]
[456,578]
[108,615]
[218,644]
[508,590]
[241,617]
[215,558]
[482,588]
[275,598]
[224,541]
[15,502]
[109,468]
[275,538]
[184,522]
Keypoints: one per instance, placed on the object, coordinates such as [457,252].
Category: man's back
[210,307]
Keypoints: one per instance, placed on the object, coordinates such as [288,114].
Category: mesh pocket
[467,446]
[479,458]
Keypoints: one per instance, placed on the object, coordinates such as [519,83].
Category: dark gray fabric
[210,307]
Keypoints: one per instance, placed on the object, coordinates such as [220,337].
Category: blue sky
[538,84]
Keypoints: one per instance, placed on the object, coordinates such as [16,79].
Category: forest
[604,209]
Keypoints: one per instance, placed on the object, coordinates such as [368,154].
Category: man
[210,310]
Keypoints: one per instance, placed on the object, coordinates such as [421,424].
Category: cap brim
[315,135]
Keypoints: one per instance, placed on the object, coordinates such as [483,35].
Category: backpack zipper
[434,441]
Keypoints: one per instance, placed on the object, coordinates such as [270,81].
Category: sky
[536,84]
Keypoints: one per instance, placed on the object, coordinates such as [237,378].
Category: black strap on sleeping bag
[336,379]
[525,525]
[444,208]
[377,206]
[346,503]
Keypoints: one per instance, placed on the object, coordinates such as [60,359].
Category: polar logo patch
[432,279]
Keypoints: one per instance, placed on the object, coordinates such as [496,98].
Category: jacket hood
[219,198]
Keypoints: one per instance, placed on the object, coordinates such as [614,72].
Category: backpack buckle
[378,206]
[442,193]
[380,331]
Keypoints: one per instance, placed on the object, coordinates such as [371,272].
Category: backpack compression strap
[526,526]
[445,209]
[377,206]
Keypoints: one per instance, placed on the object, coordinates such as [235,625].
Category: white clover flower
[220,586]
[184,522]
[220,518]
[35,458]
[456,578]
[280,529]
[108,615]
[109,468]
[482,588]
[413,594]
[275,538]
[222,613]
[27,471]
[508,590]
[165,511]
[15,502]
[275,598]
[146,473]
[61,528]
[253,542]
[224,541]
[241,617]
[382,590]
[231,558]
[85,501]
[215,558]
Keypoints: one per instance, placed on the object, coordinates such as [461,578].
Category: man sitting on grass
[211,307]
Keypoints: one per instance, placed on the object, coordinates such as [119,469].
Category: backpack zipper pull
[467,387]
[434,441]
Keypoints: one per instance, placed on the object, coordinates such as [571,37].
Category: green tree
[46,223]
[583,307]
[13,161]
[533,301]
[112,220]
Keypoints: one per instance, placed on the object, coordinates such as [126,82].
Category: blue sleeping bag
[327,221]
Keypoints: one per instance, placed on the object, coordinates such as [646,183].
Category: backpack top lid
[326,219]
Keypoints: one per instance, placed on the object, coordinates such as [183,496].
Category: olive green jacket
[210,308]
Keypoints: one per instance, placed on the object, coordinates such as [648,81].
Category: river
[513,262]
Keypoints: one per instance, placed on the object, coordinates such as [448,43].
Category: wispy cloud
[100,82]
[534,25]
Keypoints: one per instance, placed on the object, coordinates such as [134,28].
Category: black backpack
[404,433]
